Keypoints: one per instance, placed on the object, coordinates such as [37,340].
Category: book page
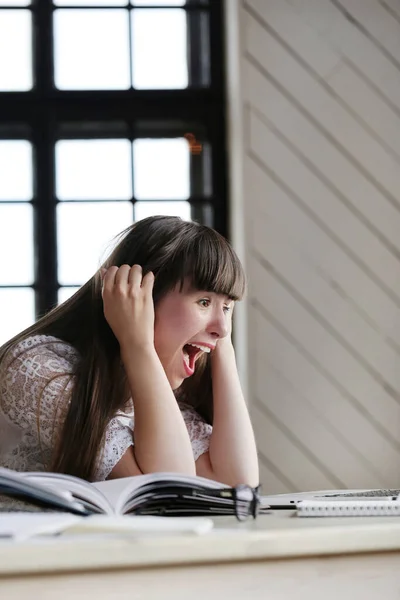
[81,489]
[119,491]
[16,485]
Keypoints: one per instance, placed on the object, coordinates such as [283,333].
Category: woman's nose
[219,326]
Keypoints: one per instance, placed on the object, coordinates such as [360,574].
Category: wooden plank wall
[320,110]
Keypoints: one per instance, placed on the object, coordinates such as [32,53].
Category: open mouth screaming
[191,353]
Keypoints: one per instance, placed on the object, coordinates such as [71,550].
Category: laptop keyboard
[369,493]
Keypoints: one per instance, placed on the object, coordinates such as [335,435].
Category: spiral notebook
[338,503]
[350,507]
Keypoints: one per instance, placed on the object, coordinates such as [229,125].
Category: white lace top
[36,381]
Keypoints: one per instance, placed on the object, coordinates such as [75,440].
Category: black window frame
[37,114]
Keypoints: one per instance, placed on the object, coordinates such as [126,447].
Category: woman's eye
[227,309]
[204,302]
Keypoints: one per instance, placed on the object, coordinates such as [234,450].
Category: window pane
[90,2]
[161,169]
[158,2]
[159,49]
[15,170]
[15,2]
[16,241]
[84,234]
[167,2]
[17,311]
[91,49]
[93,170]
[15,50]
[172,209]
[65,293]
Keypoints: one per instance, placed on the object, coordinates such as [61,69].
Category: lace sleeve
[36,383]
[118,438]
[199,430]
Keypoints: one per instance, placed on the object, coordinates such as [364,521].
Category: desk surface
[278,535]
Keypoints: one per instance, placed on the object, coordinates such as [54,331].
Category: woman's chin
[175,382]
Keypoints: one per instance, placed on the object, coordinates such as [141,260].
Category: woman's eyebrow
[213,293]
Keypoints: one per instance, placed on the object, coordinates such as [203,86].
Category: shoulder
[36,379]
[43,343]
[41,350]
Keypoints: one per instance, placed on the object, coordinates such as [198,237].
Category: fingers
[135,276]
[148,282]
[109,278]
[122,276]
[126,276]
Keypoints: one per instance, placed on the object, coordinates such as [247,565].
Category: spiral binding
[343,508]
[246,502]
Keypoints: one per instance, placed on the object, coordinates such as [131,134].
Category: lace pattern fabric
[36,381]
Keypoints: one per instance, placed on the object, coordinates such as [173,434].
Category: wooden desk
[277,557]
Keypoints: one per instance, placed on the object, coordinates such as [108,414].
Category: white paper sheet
[21,526]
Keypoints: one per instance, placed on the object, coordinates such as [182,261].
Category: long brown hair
[174,250]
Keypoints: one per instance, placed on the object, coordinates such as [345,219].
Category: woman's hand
[225,343]
[128,305]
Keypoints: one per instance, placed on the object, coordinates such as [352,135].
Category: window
[110,111]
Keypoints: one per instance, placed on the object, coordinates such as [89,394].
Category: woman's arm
[232,456]
[162,441]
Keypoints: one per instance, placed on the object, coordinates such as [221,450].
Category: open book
[160,494]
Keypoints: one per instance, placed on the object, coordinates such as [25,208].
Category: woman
[128,375]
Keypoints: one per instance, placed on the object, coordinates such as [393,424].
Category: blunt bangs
[210,264]
[178,251]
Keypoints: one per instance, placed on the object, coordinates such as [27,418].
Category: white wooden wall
[314,94]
